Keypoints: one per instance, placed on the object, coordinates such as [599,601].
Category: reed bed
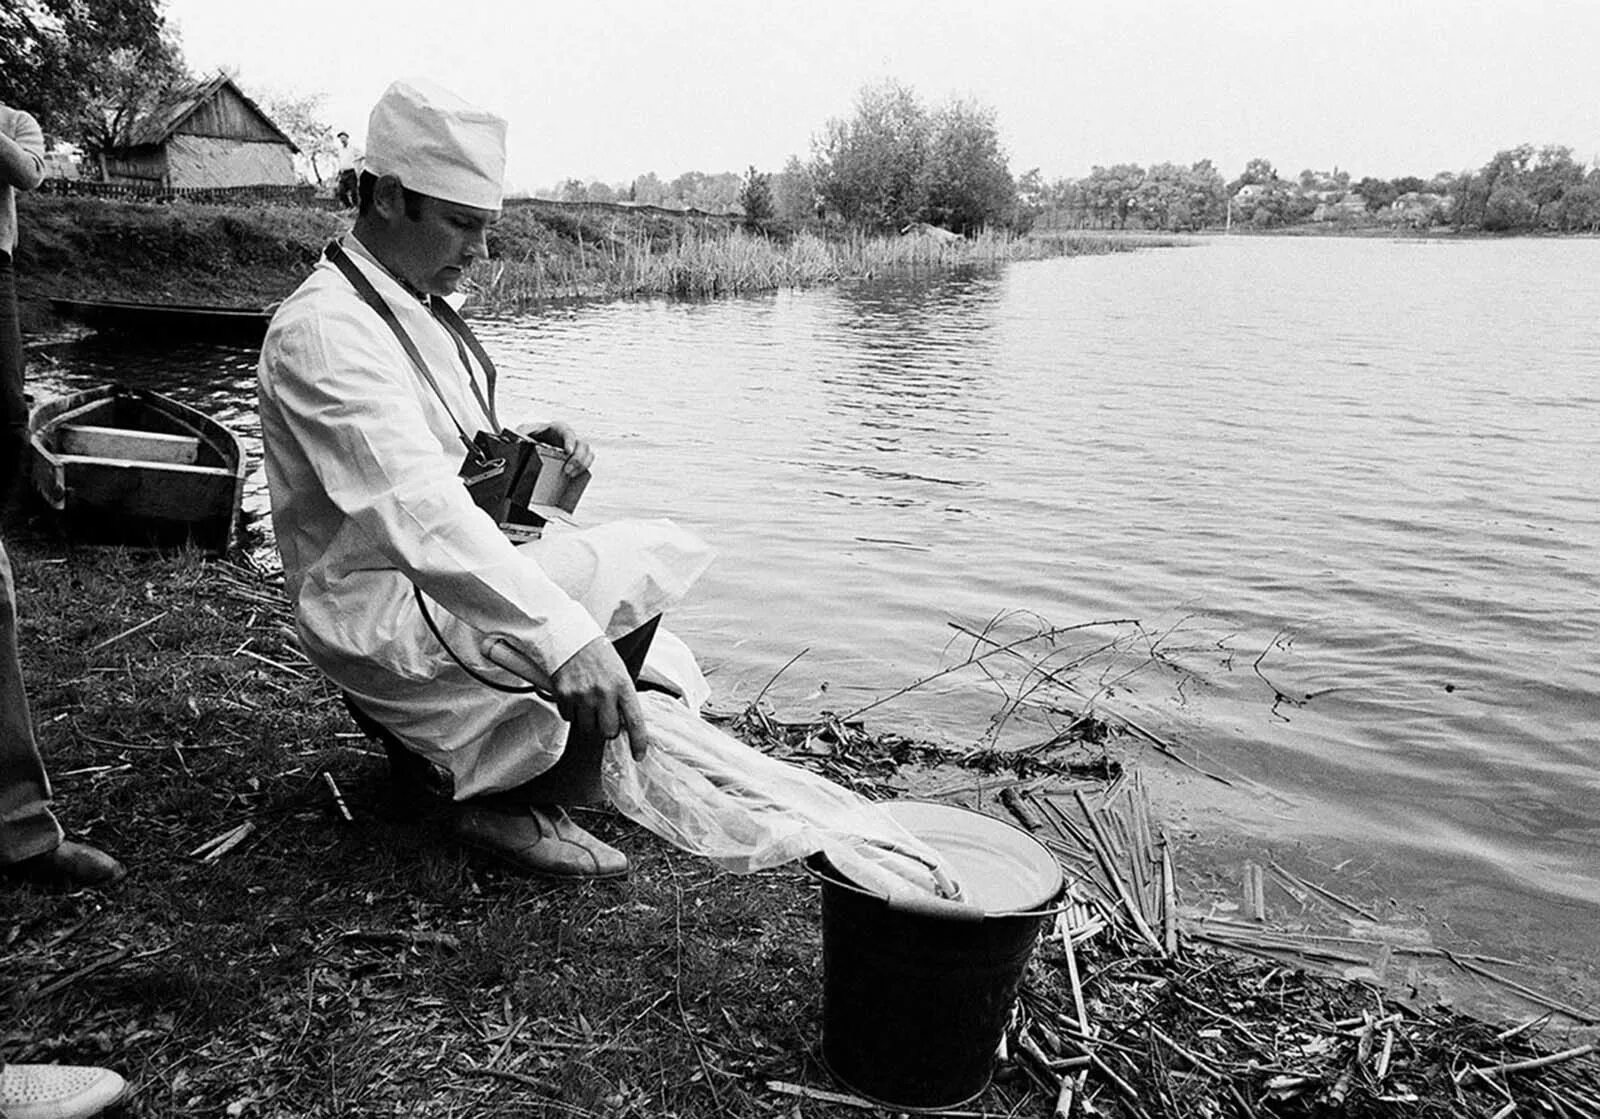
[707,260]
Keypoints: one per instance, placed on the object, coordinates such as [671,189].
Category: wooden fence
[304,194]
[298,194]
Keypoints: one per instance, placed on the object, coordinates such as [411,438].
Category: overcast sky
[607,91]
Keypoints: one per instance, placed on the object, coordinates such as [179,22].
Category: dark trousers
[13,405]
[347,194]
[27,827]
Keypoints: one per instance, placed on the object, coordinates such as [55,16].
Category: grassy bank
[255,255]
[315,963]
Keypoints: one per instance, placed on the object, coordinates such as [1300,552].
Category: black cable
[439,637]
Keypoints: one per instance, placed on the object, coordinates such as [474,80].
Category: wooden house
[204,135]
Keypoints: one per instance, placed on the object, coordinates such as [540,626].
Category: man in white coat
[407,594]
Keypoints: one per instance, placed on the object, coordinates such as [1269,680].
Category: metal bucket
[916,995]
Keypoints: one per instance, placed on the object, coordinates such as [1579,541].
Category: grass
[369,966]
[705,260]
[539,251]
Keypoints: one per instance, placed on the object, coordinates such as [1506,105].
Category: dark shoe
[58,1091]
[70,866]
[539,841]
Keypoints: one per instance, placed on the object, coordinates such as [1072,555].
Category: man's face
[434,249]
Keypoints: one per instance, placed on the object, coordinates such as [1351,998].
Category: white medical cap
[437,144]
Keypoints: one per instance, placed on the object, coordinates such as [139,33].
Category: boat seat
[134,446]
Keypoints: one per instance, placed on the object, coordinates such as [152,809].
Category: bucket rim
[1057,901]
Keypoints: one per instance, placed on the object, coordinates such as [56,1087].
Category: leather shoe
[541,840]
[68,866]
[58,1091]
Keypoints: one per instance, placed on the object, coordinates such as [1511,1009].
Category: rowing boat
[126,465]
[243,325]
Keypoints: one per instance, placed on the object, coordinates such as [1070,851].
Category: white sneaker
[57,1091]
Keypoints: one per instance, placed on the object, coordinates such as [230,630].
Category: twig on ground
[129,632]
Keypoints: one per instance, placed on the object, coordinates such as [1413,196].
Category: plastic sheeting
[706,792]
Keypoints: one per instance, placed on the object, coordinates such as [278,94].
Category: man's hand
[560,434]
[593,692]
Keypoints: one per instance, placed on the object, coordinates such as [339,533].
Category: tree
[969,184]
[1553,173]
[57,56]
[871,168]
[647,190]
[300,117]
[572,190]
[1208,195]
[1257,172]
[794,197]
[1580,206]
[1109,193]
[1161,200]
[755,197]
[133,82]
[1508,209]
[1377,193]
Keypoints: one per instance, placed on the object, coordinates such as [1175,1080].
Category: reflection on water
[1348,487]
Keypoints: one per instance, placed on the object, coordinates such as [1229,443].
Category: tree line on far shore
[1520,190]
[88,67]
[895,164]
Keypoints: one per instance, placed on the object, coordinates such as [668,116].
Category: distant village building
[205,135]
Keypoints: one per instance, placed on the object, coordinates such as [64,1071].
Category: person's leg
[32,847]
[526,827]
[13,402]
[27,827]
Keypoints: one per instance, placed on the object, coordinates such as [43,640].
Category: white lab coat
[363,460]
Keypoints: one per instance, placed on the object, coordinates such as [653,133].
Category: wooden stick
[1025,812]
[229,842]
[1526,992]
[88,969]
[1077,986]
[1195,1060]
[1329,894]
[1169,897]
[1104,849]
[338,797]
[1063,1107]
[214,841]
[1536,1062]
[146,624]
[819,1094]
[1382,1068]
[1520,1027]
[275,664]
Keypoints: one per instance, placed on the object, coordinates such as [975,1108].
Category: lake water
[1349,490]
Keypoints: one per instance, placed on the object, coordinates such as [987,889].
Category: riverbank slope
[252,256]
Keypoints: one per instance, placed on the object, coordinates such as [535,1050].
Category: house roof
[156,125]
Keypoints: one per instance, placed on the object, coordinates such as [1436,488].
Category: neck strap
[370,295]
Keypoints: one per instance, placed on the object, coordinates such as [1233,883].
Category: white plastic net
[706,792]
